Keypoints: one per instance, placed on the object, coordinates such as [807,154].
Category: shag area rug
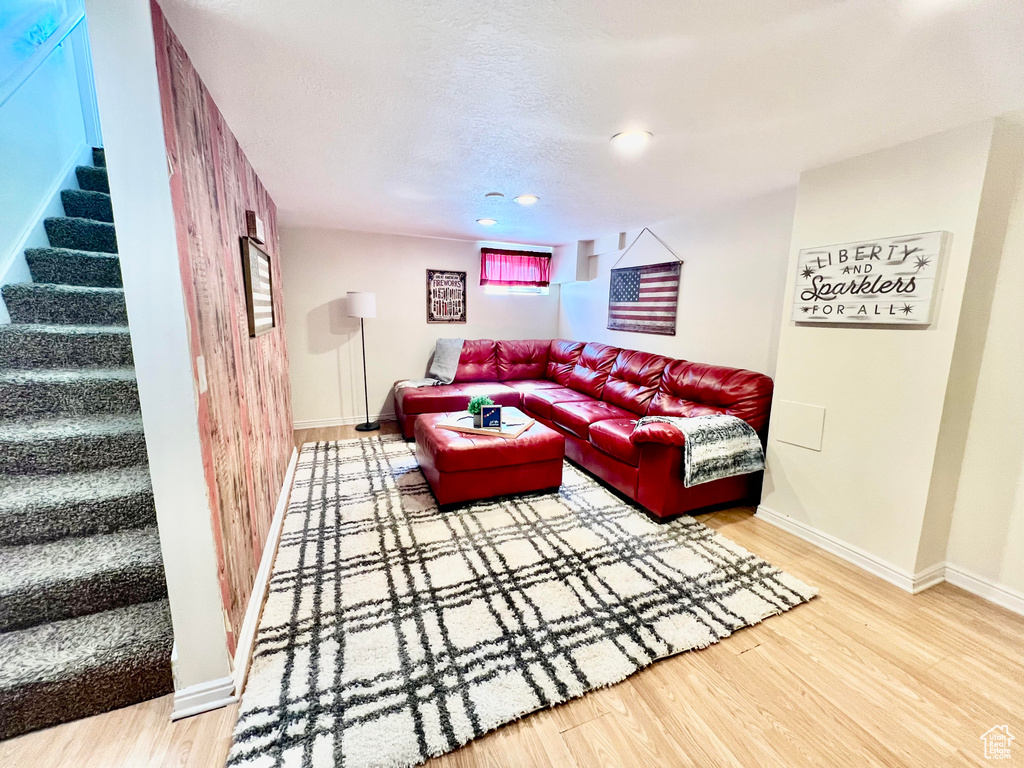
[394,632]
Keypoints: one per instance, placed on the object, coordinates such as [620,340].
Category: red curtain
[514,268]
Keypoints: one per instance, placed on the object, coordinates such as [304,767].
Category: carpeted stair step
[65,346]
[74,577]
[56,672]
[75,444]
[86,204]
[64,304]
[73,392]
[66,266]
[36,509]
[81,234]
[93,177]
[99,157]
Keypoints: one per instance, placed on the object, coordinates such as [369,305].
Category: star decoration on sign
[906,309]
[805,310]
[806,272]
[921,263]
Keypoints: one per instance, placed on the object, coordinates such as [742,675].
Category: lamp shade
[362,304]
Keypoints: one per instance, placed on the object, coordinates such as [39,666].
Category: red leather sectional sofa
[593,394]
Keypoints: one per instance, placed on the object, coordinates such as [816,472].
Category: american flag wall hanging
[644,299]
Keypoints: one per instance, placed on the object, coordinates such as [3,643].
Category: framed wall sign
[259,294]
[890,281]
[446,296]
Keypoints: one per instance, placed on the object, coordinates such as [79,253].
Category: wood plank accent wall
[245,419]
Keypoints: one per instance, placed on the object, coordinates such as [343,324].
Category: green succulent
[476,403]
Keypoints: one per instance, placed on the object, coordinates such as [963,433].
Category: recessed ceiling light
[494,194]
[487,222]
[526,199]
[631,142]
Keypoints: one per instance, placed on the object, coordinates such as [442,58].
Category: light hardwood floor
[340,433]
[865,674]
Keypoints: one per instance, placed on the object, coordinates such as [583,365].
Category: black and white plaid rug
[394,632]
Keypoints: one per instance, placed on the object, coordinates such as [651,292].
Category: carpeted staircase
[84,623]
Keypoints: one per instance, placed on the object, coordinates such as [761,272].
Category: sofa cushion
[562,358]
[683,408]
[453,397]
[478,362]
[696,389]
[522,359]
[528,385]
[539,401]
[591,372]
[578,416]
[612,437]
[634,379]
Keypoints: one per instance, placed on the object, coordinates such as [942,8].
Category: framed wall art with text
[446,296]
[889,281]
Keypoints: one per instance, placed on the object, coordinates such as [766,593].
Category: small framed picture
[255,228]
[490,417]
[259,289]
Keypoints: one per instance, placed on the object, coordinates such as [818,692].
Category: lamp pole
[366,426]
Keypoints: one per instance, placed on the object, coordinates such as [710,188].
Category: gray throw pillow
[446,360]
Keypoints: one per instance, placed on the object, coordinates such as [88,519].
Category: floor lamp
[363,304]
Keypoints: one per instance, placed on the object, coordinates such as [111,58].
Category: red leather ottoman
[462,467]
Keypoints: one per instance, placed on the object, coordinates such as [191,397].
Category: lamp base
[368,426]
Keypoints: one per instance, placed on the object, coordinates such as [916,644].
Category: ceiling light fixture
[631,142]
[494,194]
[526,199]
[487,222]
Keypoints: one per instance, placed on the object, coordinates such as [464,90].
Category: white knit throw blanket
[415,383]
[716,446]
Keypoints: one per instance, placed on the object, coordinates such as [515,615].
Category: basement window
[515,272]
[508,290]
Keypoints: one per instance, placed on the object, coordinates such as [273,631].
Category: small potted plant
[475,404]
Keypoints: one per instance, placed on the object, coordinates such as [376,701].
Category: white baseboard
[1007,597]
[914,583]
[341,421]
[203,697]
[870,563]
[929,577]
[247,634]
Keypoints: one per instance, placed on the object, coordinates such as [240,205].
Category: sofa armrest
[657,432]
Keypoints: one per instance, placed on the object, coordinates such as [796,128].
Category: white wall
[43,138]
[730,290]
[129,100]
[883,389]
[987,534]
[1002,179]
[318,267]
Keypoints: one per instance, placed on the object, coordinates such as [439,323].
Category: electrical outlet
[201,373]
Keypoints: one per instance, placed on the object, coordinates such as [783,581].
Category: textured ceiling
[399,115]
